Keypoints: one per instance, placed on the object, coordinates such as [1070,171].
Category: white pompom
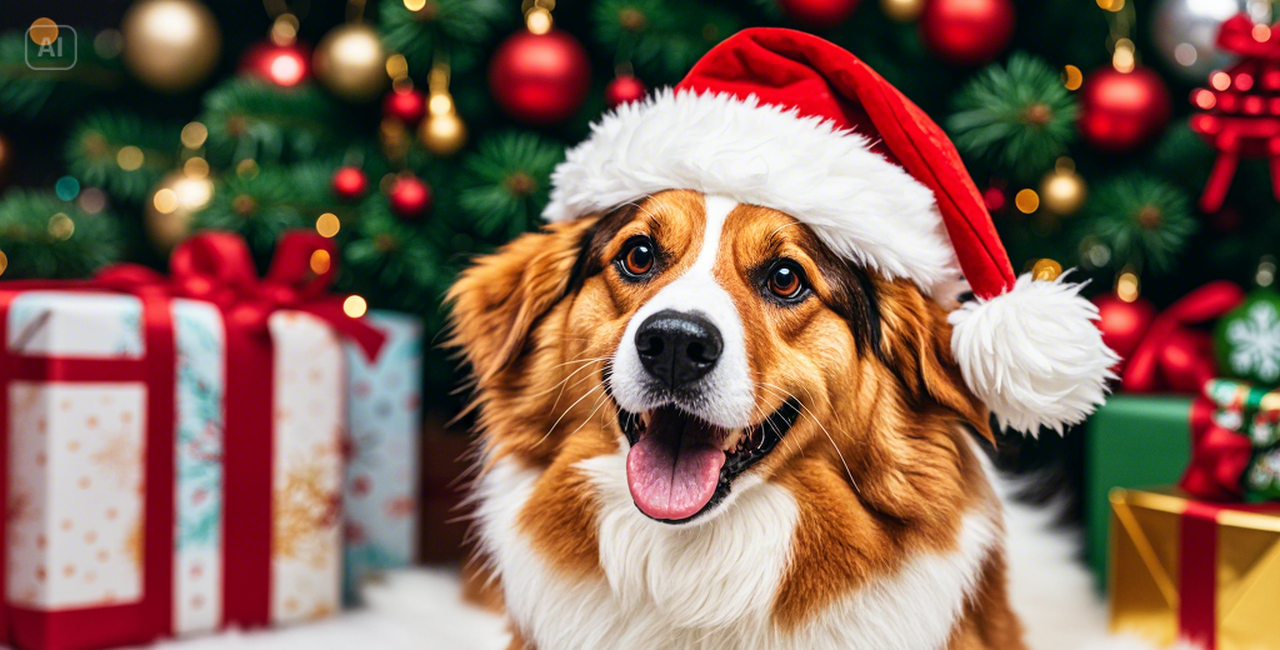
[1033,354]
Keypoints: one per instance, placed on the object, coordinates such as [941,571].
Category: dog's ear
[915,343]
[498,300]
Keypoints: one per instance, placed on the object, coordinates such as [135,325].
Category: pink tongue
[672,484]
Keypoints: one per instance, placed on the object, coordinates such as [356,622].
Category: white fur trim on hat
[861,205]
[1033,354]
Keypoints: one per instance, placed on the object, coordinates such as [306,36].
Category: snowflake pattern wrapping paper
[78,494]
[1248,339]
[384,400]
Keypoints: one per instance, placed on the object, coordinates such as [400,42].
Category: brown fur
[878,461]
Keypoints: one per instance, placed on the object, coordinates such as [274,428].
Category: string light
[320,262]
[61,227]
[1127,287]
[1046,269]
[93,200]
[415,5]
[397,66]
[328,224]
[1027,201]
[196,167]
[130,158]
[355,306]
[1123,59]
[538,20]
[1266,275]
[4,262]
[194,135]
[1072,77]
[165,200]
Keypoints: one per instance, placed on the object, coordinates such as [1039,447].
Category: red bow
[1219,457]
[217,267]
[1238,35]
[1172,355]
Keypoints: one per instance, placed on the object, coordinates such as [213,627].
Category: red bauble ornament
[1121,111]
[410,196]
[350,183]
[408,106]
[967,32]
[1124,324]
[1241,117]
[623,90]
[540,79]
[818,14]
[282,65]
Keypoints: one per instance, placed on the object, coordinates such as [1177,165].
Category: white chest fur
[710,586]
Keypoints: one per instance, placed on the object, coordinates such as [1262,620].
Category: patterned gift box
[1189,569]
[380,498]
[173,465]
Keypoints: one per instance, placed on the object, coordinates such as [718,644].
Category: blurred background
[1120,138]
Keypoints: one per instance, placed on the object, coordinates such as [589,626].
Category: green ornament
[1247,340]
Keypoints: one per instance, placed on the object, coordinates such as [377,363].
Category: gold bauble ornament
[172,207]
[903,11]
[351,63]
[443,134]
[170,45]
[1063,192]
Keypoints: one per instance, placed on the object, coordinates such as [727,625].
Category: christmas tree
[418,133]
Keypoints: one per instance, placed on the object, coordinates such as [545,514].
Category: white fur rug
[422,610]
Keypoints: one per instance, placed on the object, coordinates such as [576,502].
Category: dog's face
[718,343]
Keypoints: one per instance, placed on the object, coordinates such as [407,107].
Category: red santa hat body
[784,119]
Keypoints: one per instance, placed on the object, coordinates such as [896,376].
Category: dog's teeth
[732,441]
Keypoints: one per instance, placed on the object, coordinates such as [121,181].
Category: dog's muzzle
[678,348]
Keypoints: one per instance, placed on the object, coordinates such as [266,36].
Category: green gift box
[1134,441]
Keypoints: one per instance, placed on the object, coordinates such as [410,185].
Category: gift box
[1188,569]
[173,448]
[383,477]
[1127,428]
[1235,452]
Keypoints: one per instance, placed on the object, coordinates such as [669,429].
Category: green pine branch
[1146,222]
[1017,118]
[508,182]
[662,39]
[456,29]
[253,119]
[261,204]
[43,94]
[43,236]
[93,153]
[393,260]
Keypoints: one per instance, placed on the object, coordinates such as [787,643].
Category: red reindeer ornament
[1241,117]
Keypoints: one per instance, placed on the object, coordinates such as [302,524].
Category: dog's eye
[786,281]
[637,258]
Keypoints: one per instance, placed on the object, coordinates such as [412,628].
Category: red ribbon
[1173,356]
[1219,457]
[214,267]
[1198,569]
[1237,35]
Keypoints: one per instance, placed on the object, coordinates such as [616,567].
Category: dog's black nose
[678,348]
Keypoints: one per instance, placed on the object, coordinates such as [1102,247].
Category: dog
[702,428]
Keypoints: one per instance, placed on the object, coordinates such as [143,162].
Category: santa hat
[784,119]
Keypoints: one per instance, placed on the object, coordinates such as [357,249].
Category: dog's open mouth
[680,467]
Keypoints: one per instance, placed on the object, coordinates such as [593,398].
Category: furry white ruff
[860,204]
[1050,589]
[1033,354]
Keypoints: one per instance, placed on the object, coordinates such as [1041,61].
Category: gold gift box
[1146,556]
